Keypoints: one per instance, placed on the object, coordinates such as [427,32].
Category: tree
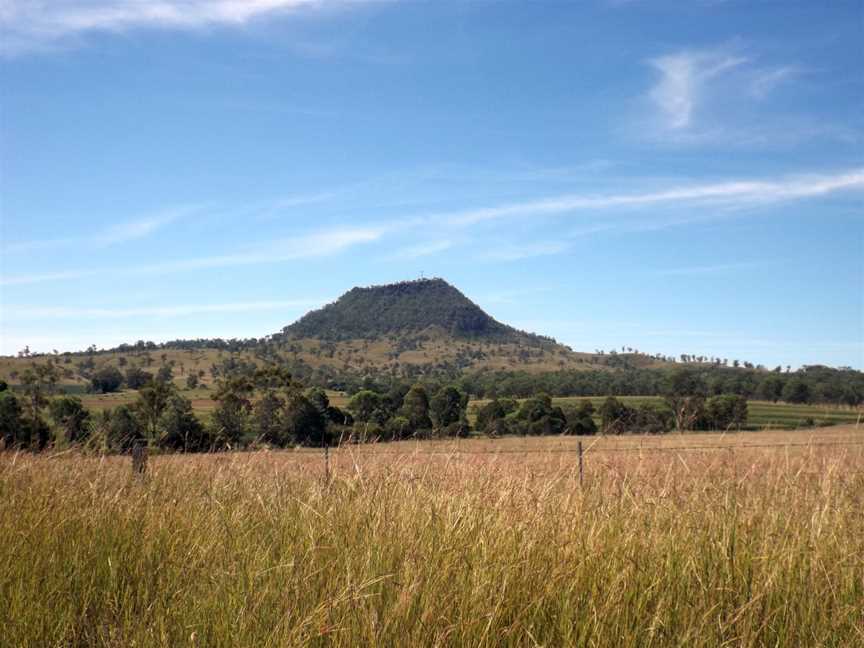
[304,423]
[180,429]
[107,379]
[136,378]
[613,415]
[165,374]
[273,378]
[580,421]
[14,430]
[796,391]
[726,411]
[267,420]
[151,403]
[490,417]
[191,381]
[38,382]
[368,407]
[539,416]
[71,417]
[685,394]
[398,427]
[318,397]
[230,419]
[415,410]
[123,429]
[651,419]
[770,388]
[448,406]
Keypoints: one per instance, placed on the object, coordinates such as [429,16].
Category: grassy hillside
[424,353]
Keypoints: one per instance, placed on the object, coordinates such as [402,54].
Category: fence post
[327,464]
[139,458]
[579,446]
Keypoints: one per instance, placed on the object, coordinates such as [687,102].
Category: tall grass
[751,548]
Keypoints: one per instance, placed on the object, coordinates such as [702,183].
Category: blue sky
[679,177]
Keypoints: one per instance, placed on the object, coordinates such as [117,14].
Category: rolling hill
[410,329]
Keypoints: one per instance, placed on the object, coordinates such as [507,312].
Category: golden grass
[480,543]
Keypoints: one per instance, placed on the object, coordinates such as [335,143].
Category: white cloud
[31,24]
[764,82]
[726,196]
[525,251]
[422,250]
[314,244]
[682,78]
[716,96]
[17,280]
[741,193]
[133,230]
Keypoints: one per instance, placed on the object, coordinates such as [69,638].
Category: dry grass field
[681,540]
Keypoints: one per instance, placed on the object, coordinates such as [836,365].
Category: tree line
[815,384]
[270,408]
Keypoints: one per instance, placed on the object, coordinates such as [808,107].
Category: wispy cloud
[137,229]
[16,280]
[764,82]
[738,193]
[718,96]
[713,199]
[314,244]
[683,76]
[60,312]
[511,252]
[110,235]
[34,24]
[422,250]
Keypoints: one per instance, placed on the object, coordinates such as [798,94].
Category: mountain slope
[405,308]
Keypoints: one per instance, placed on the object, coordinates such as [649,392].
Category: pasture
[680,540]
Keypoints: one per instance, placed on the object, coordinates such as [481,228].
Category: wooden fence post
[327,464]
[579,446]
[139,458]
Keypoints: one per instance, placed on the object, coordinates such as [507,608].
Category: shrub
[71,418]
[107,379]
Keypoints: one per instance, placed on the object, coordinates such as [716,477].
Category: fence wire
[359,449]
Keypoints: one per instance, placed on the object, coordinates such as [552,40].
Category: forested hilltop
[404,308]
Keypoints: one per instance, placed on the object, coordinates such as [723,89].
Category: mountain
[412,328]
[409,329]
[406,308]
